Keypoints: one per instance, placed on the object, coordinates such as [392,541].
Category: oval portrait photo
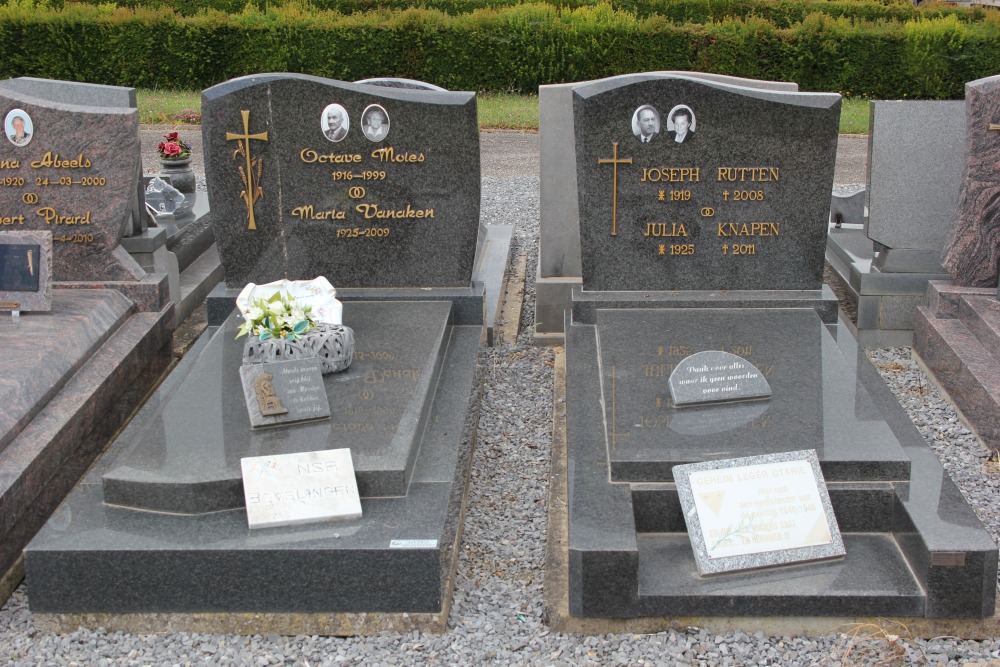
[375,122]
[646,123]
[18,127]
[681,124]
[334,122]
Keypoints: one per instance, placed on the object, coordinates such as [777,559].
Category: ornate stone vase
[332,344]
[181,174]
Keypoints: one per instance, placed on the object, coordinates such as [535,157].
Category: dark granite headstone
[973,254]
[72,170]
[742,203]
[25,270]
[714,376]
[284,392]
[292,197]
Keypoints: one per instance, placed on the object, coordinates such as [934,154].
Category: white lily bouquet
[277,316]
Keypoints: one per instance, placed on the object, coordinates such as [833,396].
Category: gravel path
[497,613]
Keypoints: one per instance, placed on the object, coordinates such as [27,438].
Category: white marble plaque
[757,512]
[289,489]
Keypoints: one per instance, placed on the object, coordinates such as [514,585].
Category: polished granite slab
[95,558]
[811,389]
[914,546]
[186,457]
[72,376]
[42,350]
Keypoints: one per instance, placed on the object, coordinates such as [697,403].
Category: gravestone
[885,267]
[287,199]
[61,180]
[290,194]
[645,310]
[956,332]
[560,262]
[74,371]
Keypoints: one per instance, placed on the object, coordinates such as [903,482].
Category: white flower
[254,313]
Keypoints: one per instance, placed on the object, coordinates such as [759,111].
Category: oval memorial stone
[714,377]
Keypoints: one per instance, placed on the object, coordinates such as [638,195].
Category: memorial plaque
[19,267]
[716,377]
[689,184]
[369,186]
[758,511]
[25,270]
[71,170]
[291,489]
[284,392]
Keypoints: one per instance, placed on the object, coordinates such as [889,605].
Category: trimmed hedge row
[512,49]
[782,13]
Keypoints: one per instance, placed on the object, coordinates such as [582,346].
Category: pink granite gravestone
[973,254]
[71,169]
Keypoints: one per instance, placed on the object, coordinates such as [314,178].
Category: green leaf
[275,297]
[264,335]
[290,336]
[300,327]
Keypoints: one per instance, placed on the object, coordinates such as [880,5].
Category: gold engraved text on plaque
[614,183]
[251,188]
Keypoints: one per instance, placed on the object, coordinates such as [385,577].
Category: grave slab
[186,458]
[809,380]
[916,550]
[92,556]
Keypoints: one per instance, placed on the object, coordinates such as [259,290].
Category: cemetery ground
[501,613]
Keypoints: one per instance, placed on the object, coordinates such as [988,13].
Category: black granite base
[914,546]
[93,557]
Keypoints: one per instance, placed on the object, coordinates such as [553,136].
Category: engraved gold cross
[252,191]
[995,126]
[614,183]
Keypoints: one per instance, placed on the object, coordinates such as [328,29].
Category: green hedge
[512,49]
[782,13]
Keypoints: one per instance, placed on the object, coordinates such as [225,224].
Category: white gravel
[497,612]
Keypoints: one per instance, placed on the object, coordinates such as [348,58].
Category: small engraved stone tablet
[715,377]
[290,489]
[757,511]
[284,392]
[25,276]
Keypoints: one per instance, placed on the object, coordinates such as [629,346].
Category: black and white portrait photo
[646,123]
[375,122]
[18,127]
[680,124]
[334,122]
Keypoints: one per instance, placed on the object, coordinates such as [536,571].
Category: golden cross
[994,126]
[250,194]
[614,184]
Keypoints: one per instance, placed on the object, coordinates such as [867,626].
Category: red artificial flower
[170,137]
[171,149]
